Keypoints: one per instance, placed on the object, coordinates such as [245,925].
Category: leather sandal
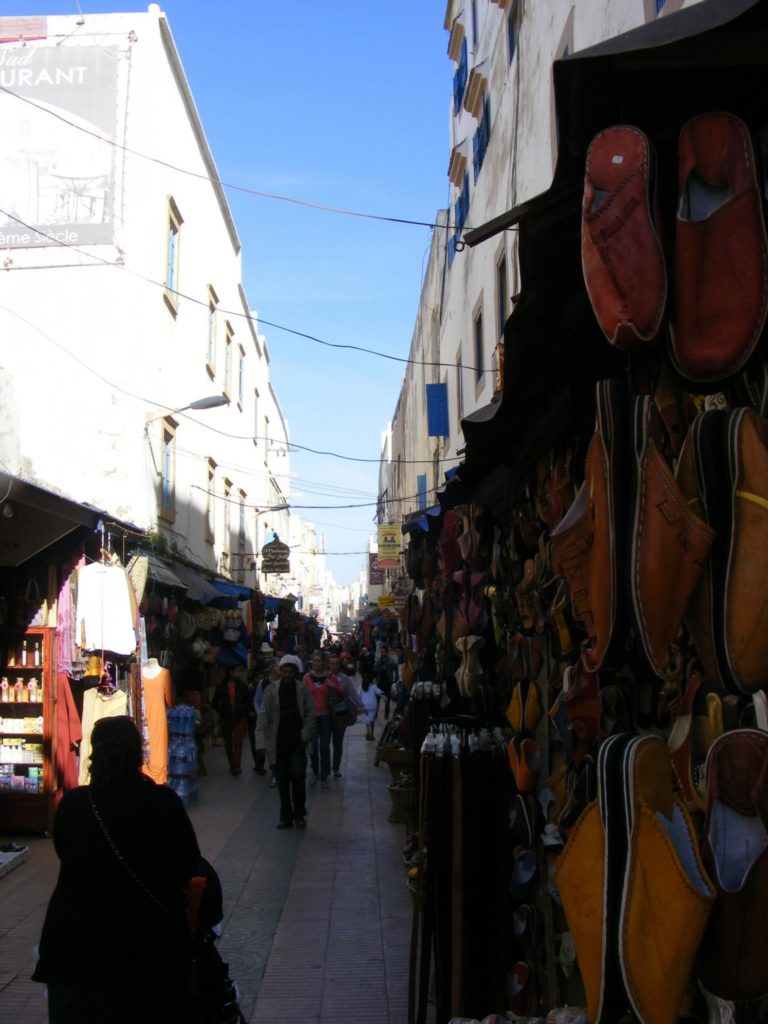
[621,254]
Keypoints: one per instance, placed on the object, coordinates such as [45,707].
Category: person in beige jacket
[285,726]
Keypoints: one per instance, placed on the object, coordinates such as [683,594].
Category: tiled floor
[317,923]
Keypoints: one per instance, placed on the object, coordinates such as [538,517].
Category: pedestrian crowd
[131,870]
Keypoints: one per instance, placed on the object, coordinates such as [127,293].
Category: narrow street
[317,923]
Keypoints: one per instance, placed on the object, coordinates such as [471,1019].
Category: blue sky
[344,104]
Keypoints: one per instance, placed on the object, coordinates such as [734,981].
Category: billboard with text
[58,115]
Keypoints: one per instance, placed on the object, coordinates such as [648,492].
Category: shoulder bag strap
[120,857]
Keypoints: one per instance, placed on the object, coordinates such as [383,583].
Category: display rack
[27,733]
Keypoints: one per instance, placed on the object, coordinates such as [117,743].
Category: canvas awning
[198,587]
[228,588]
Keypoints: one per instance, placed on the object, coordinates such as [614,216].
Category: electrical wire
[119,264]
[306,486]
[289,505]
[207,426]
[224,184]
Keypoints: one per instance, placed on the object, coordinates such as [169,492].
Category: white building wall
[519,163]
[93,353]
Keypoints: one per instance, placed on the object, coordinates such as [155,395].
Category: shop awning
[229,589]
[198,587]
[35,518]
[160,573]
[421,520]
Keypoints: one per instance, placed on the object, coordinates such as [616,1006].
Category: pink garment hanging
[68,732]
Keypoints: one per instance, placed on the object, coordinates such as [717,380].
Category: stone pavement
[316,923]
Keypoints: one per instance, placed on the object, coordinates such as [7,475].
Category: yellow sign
[386,601]
[389,546]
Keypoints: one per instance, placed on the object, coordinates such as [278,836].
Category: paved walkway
[317,923]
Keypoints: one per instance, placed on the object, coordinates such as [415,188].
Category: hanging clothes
[70,658]
[105,610]
[97,705]
[69,732]
[157,695]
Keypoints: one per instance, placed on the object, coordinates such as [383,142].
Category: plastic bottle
[19,690]
[4,690]
[32,691]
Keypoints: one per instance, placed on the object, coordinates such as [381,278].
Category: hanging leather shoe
[721,251]
[621,255]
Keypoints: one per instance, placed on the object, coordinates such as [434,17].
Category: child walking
[369,698]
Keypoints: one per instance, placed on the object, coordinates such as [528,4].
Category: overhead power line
[233,312]
[225,184]
[207,426]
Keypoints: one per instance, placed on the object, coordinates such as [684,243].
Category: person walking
[345,710]
[385,672]
[285,726]
[370,695]
[316,681]
[115,944]
[232,700]
[272,677]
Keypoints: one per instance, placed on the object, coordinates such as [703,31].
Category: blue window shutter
[421,487]
[437,410]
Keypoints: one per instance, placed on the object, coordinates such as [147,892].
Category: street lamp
[211,402]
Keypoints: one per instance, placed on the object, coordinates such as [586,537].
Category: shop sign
[389,546]
[386,601]
[399,602]
[68,200]
[275,557]
[375,573]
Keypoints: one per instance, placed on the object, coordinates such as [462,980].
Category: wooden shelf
[23,812]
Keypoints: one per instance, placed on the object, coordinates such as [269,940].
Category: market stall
[588,711]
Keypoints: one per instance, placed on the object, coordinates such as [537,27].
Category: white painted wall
[519,163]
[89,352]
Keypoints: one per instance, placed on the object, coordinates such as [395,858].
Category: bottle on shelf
[18,690]
[4,690]
[24,654]
[37,654]
[32,686]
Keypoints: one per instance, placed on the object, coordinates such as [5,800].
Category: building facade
[134,377]
[502,151]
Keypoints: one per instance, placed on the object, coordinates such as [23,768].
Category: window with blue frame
[451,249]
[512,31]
[479,347]
[462,206]
[421,487]
[460,78]
[167,473]
[481,136]
[437,410]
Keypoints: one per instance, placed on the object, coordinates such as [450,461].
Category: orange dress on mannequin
[157,694]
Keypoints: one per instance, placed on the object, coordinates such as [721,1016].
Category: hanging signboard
[386,601]
[275,557]
[375,573]
[58,183]
[389,546]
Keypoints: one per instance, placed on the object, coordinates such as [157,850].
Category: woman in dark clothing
[232,700]
[115,944]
